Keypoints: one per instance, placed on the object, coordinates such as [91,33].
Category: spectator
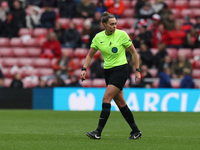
[16,82]
[160,56]
[58,82]
[60,33]
[74,82]
[86,32]
[96,68]
[160,35]
[156,21]
[73,37]
[33,19]
[167,63]
[50,3]
[178,66]
[115,7]
[47,18]
[165,79]
[42,83]
[177,36]
[186,25]
[158,6]
[170,21]
[96,21]
[146,11]
[85,9]
[100,7]
[34,3]
[3,9]
[187,81]
[164,12]
[146,55]
[8,27]
[19,14]
[144,36]
[67,8]
[64,67]
[197,25]
[51,48]
[191,39]
[139,4]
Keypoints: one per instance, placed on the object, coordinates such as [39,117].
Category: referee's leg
[125,111]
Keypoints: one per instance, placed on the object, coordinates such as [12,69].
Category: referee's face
[111,25]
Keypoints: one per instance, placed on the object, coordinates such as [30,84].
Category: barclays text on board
[81,99]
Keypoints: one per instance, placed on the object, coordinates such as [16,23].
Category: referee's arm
[87,62]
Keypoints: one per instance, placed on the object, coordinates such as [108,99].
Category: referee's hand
[83,75]
[137,77]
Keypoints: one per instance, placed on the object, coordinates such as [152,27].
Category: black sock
[104,116]
[127,114]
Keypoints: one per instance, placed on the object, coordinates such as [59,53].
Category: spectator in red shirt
[177,36]
[115,7]
[51,48]
[160,35]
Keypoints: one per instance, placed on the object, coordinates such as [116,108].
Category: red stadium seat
[33,42]
[25,31]
[130,22]
[128,13]
[121,23]
[4,42]
[40,32]
[86,83]
[9,62]
[42,62]
[133,3]
[127,3]
[20,52]
[34,51]
[176,12]
[196,73]
[186,51]
[26,62]
[180,4]
[81,52]
[7,82]
[6,72]
[153,72]
[155,84]
[175,83]
[76,61]
[30,82]
[69,50]
[172,52]
[194,4]
[196,52]
[45,71]
[6,52]
[196,12]
[98,83]
[30,72]
[64,22]
[79,22]
[16,42]
[170,3]
[186,12]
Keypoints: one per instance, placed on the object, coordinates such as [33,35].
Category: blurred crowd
[155,27]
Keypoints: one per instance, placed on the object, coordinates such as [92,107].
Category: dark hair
[106,16]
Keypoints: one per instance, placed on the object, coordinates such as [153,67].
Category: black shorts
[117,76]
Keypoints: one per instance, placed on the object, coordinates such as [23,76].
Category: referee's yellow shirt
[112,47]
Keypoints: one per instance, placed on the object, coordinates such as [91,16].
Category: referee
[112,43]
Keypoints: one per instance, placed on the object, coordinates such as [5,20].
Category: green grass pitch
[65,130]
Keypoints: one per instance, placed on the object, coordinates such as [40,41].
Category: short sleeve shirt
[113,47]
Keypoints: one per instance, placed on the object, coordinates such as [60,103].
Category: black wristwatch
[83,69]
[138,69]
